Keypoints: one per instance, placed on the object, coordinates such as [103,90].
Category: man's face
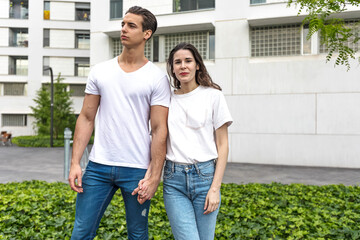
[131,31]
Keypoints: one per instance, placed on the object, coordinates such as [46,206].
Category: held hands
[146,189]
[75,174]
[212,200]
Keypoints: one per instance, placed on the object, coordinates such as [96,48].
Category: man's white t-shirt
[192,121]
[122,123]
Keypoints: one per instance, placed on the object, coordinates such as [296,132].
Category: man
[124,92]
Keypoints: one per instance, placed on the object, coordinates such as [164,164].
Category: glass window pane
[14,89]
[116,9]
[14,120]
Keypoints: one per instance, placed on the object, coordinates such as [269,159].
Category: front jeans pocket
[207,173]
[168,174]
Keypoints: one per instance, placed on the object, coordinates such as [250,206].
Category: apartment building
[35,35]
[289,106]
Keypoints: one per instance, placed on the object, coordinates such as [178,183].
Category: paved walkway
[19,164]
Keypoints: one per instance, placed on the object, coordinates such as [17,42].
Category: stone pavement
[19,164]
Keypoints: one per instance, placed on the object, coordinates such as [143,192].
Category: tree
[335,33]
[63,113]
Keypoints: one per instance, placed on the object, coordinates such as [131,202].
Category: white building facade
[34,35]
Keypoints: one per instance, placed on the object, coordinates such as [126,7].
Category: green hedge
[40,141]
[40,210]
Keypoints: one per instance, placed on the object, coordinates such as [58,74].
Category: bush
[40,210]
[40,141]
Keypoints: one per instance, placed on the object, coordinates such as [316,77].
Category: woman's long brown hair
[202,76]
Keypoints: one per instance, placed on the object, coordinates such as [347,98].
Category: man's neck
[132,59]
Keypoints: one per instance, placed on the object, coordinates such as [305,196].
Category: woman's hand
[212,200]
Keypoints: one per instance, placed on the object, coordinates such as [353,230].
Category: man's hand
[75,174]
[146,189]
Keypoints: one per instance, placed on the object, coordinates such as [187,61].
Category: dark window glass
[155,49]
[19,9]
[116,9]
[18,37]
[188,5]
[82,39]
[82,11]
[46,37]
[82,67]
[257,1]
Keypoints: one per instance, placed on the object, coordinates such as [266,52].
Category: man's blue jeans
[185,190]
[100,183]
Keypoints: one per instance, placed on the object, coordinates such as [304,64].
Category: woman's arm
[213,197]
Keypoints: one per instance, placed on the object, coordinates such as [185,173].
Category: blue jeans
[185,190]
[100,182]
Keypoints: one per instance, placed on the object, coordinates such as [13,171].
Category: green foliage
[335,33]
[63,113]
[40,141]
[40,210]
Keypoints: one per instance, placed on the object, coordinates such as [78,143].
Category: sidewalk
[19,164]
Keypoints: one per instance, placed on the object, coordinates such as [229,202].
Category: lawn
[41,210]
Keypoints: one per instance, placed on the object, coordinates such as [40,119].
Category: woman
[198,138]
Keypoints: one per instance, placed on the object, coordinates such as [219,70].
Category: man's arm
[148,186]
[83,130]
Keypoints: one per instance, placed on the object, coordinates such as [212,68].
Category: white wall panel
[338,113]
[286,114]
[4,8]
[301,150]
[298,74]
[156,7]
[4,65]
[62,11]
[63,65]
[231,39]
[223,74]
[62,38]
[4,39]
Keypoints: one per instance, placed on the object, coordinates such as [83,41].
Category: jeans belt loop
[172,167]
[197,168]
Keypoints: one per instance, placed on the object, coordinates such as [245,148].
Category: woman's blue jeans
[100,183]
[185,190]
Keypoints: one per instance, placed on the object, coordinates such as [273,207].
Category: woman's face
[184,67]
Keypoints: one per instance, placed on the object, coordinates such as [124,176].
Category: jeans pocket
[207,173]
[168,174]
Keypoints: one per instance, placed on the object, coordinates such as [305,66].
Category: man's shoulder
[155,71]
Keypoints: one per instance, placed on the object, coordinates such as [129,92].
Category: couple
[189,131]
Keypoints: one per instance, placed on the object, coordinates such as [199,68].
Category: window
[14,120]
[188,5]
[284,40]
[18,65]
[47,10]
[18,37]
[82,67]
[14,89]
[306,45]
[19,9]
[77,90]
[82,39]
[116,9]
[82,11]
[46,64]
[257,1]
[200,40]
[46,40]
[355,27]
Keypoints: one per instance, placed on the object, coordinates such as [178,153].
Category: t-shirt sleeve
[91,84]
[161,93]
[221,113]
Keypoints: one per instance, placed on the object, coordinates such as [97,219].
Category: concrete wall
[4,8]
[4,40]
[4,65]
[63,65]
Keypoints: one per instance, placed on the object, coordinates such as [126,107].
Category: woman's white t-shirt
[192,121]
